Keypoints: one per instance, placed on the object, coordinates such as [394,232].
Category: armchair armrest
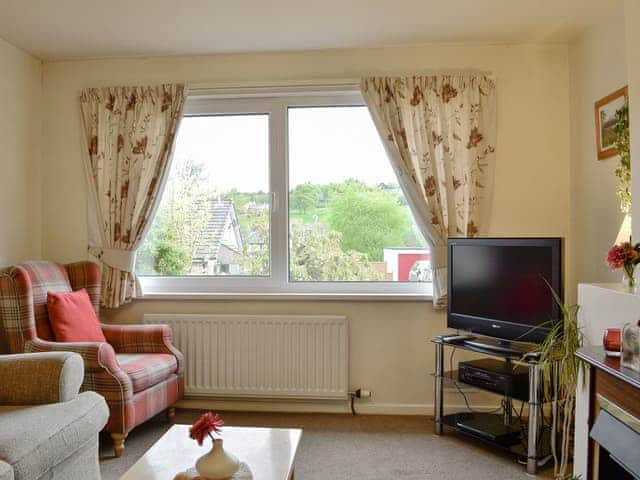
[38,378]
[102,370]
[143,339]
[96,355]
[139,338]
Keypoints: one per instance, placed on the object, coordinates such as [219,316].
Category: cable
[466,401]
[523,431]
[453,351]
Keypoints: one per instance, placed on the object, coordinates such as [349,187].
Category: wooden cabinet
[616,391]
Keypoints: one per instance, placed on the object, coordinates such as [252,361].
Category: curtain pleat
[440,134]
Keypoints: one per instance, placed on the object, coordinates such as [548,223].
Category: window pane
[348,218]
[214,215]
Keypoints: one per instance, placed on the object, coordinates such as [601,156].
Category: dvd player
[496,376]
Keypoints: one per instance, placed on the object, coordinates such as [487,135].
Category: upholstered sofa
[137,370]
[47,429]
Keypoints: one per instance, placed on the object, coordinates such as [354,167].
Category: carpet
[345,447]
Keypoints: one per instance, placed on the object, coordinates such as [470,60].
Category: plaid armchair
[138,371]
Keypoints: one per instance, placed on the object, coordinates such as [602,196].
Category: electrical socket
[362,393]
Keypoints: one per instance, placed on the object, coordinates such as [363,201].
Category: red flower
[205,425]
[622,255]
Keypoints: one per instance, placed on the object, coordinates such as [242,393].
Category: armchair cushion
[147,369]
[49,434]
[32,379]
[73,318]
[143,339]
[86,275]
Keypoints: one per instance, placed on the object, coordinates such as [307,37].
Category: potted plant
[218,463]
[623,170]
[561,370]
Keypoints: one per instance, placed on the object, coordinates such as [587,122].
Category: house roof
[221,211]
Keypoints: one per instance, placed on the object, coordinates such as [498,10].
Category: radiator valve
[362,393]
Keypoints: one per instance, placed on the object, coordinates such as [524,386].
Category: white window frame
[277,284]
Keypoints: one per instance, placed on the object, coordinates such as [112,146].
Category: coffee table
[270,452]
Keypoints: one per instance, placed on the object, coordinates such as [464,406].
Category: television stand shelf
[528,440]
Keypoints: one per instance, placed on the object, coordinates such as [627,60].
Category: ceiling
[55,29]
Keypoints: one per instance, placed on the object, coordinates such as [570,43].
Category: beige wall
[632,20]
[390,352]
[597,67]
[20,131]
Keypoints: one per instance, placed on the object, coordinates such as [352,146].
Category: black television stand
[509,349]
[529,440]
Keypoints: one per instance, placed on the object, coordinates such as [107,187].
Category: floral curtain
[440,134]
[130,132]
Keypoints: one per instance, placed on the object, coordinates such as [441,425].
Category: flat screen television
[497,286]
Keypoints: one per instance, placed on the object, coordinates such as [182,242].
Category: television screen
[501,287]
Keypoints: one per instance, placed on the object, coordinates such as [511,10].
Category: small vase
[629,281]
[217,464]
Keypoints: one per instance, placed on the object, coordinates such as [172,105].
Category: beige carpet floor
[344,447]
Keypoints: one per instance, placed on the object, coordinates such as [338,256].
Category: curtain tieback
[124,260]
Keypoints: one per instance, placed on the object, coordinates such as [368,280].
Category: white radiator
[268,356]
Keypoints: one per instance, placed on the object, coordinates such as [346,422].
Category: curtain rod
[305,85]
[273,87]
[296,83]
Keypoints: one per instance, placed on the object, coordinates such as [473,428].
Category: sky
[326,144]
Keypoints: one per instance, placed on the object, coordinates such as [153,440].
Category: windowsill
[337,297]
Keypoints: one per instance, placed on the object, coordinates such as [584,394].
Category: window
[213,218]
[283,194]
[348,218]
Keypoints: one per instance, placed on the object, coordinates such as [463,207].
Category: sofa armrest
[6,472]
[38,378]
[143,339]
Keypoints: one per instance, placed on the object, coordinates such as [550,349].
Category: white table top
[270,452]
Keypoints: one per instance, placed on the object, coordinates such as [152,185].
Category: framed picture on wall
[605,117]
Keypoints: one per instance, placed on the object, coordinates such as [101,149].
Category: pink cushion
[73,318]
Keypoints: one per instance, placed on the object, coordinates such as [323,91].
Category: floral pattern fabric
[130,133]
[440,134]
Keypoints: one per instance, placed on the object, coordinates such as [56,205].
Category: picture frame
[605,122]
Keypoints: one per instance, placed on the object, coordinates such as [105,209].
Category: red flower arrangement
[624,255]
[207,424]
